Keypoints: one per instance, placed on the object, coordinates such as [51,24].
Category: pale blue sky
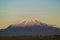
[46,10]
[30,5]
[52,6]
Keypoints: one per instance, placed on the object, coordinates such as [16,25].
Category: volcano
[29,22]
[30,27]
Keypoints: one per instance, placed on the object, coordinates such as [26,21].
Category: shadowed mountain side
[30,30]
[30,27]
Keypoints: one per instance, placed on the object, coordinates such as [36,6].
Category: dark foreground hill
[52,37]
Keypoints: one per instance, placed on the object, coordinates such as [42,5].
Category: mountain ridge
[33,28]
[29,22]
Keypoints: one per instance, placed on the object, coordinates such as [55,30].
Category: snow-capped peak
[30,22]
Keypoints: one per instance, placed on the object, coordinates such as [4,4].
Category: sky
[15,11]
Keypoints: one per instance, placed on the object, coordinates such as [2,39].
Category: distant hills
[30,27]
